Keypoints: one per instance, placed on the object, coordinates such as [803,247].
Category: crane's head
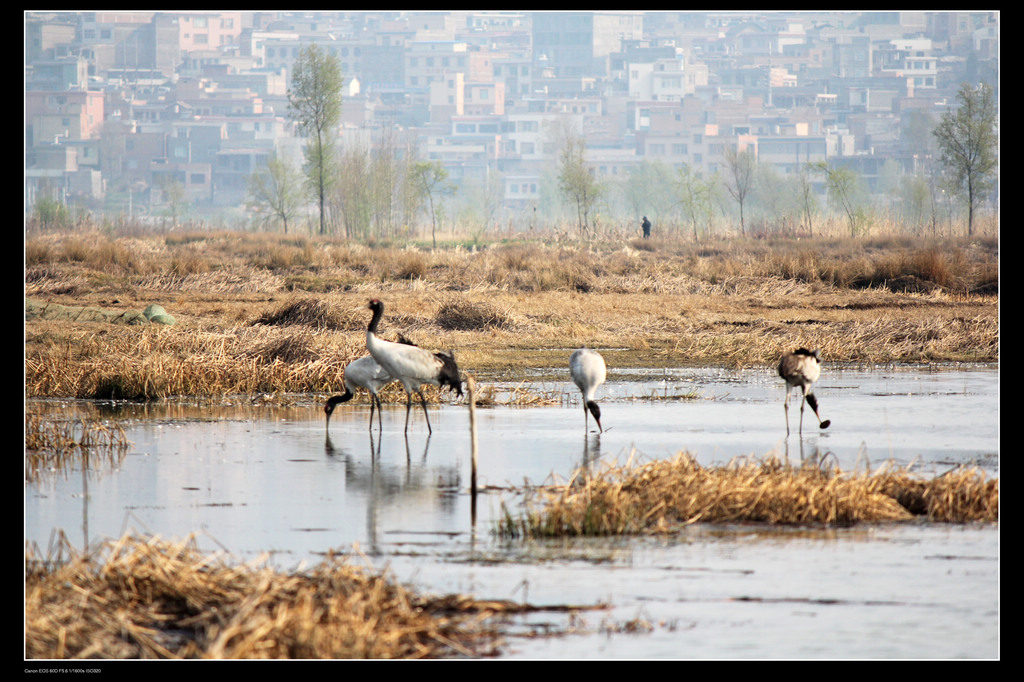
[596,411]
[333,401]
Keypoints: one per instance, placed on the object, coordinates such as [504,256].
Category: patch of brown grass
[306,311]
[456,311]
[734,302]
[664,495]
[153,599]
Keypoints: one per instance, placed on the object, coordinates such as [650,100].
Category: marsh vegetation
[269,318]
[270,314]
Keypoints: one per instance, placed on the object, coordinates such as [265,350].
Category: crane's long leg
[380,409]
[423,401]
[408,406]
[803,399]
[375,403]
[785,404]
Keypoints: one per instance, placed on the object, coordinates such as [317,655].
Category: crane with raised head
[411,365]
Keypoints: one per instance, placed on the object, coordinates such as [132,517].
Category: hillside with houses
[123,106]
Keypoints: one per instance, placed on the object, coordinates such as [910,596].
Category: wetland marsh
[228,441]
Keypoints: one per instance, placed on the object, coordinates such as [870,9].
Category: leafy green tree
[274,192]
[914,198]
[48,213]
[649,190]
[777,195]
[967,144]
[354,191]
[314,103]
[482,203]
[173,190]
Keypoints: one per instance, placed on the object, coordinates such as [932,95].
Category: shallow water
[265,479]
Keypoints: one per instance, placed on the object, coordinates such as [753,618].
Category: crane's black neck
[378,311]
[344,398]
[335,399]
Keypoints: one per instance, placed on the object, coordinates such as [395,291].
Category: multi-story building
[577,44]
[65,114]
[200,97]
[208,29]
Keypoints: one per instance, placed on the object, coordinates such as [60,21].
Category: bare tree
[576,181]
[430,179]
[967,144]
[808,202]
[739,176]
[274,192]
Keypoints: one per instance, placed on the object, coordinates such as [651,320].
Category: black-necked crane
[411,365]
[363,373]
[587,369]
[801,368]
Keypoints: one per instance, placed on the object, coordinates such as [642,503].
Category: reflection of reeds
[663,495]
[148,598]
[57,445]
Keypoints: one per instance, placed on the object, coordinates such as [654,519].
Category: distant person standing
[647,227]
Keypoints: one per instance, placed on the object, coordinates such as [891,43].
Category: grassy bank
[269,314]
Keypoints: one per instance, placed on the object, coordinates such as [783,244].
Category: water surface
[254,480]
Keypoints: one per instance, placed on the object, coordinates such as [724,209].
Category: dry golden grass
[737,302]
[664,495]
[154,599]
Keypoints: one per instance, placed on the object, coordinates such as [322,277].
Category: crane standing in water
[411,365]
[801,368]
[587,369]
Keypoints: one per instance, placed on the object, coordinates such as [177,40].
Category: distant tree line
[380,188]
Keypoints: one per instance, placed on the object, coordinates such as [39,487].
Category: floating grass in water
[665,495]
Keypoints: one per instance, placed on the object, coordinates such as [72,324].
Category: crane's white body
[411,365]
[362,373]
[367,374]
[800,369]
[588,372]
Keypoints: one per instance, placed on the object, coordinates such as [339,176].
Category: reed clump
[57,445]
[309,312]
[664,495]
[147,598]
[456,312]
